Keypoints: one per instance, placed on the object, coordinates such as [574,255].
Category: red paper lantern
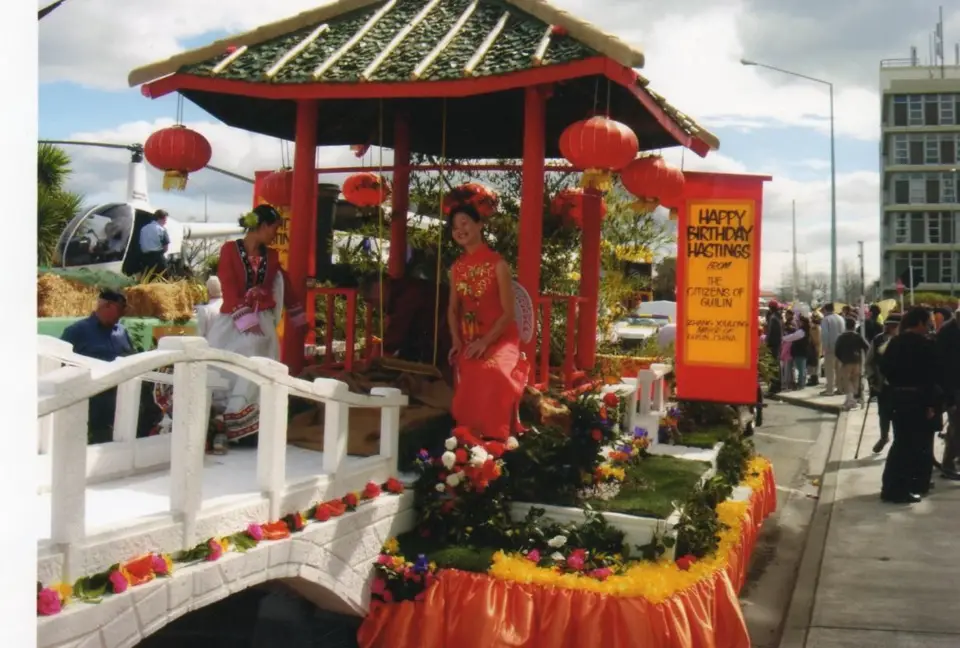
[652,180]
[599,146]
[178,152]
[484,199]
[568,206]
[277,188]
[366,189]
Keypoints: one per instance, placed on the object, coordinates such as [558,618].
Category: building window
[947,109]
[946,268]
[931,150]
[915,113]
[948,149]
[899,110]
[901,227]
[933,227]
[948,188]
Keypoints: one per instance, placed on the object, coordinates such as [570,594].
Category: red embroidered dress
[252,286]
[488,388]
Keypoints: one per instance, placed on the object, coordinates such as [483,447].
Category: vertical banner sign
[718,277]
[282,243]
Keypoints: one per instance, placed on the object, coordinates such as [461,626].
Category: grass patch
[653,485]
[706,437]
[464,558]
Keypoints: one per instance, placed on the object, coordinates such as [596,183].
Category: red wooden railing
[330,296]
[569,372]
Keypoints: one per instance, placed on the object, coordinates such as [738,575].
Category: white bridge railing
[63,397]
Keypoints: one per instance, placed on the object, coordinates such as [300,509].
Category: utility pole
[796,278]
[863,294]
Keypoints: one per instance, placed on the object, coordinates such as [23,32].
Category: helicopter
[107,237]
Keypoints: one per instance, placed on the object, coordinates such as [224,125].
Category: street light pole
[833,171]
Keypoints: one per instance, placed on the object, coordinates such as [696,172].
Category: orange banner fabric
[477,611]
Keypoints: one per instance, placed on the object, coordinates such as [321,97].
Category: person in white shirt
[831,328]
[206,313]
[154,242]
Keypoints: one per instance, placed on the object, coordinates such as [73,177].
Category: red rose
[684,562]
[351,500]
[337,508]
[323,513]
[496,448]
[394,486]
[596,435]
[610,399]
[371,491]
[465,436]
[461,455]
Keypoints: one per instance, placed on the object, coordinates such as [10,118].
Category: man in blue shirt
[102,336]
[154,242]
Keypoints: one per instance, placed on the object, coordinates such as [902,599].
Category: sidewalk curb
[800,611]
[801,402]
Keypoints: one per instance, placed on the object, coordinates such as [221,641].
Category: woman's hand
[476,349]
[455,348]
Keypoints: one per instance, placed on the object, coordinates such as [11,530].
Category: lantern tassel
[174,180]
[599,179]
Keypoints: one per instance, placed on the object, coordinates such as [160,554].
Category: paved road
[797,441]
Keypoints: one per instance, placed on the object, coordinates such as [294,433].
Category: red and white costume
[255,290]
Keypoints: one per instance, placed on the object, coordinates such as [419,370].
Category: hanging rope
[179,109]
[443,160]
[380,228]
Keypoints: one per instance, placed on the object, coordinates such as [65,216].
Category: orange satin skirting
[477,611]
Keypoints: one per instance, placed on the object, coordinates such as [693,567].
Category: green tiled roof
[513,49]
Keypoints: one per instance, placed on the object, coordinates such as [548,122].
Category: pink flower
[118,581]
[385,559]
[378,586]
[577,559]
[158,564]
[534,555]
[48,602]
[684,562]
[216,550]
[255,531]
[603,573]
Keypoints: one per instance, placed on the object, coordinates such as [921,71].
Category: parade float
[611,517]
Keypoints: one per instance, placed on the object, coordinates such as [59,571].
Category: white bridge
[109,503]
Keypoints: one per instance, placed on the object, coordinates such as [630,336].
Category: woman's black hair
[266,215]
[916,316]
[467,210]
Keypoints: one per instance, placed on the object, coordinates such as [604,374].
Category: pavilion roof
[350,51]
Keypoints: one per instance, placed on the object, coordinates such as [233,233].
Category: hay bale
[168,302]
[60,297]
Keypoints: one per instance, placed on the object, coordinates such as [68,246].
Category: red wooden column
[303,214]
[589,279]
[401,196]
[531,198]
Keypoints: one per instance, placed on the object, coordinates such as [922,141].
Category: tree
[55,205]
[665,280]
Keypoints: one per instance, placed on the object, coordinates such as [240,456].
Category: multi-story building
[920,172]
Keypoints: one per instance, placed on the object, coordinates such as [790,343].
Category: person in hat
[832,327]
[814,350]
[102,336]
[948,350]
[774,340]
[155,242]
[877,382]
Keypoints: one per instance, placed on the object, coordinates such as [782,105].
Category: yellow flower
[391,546]
[398,561]
[169,564]
[65,590]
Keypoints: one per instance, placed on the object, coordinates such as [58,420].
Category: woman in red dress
[491,372]
[254,286]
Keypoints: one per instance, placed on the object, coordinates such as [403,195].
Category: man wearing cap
[948,350]
[878,383]
[102,336]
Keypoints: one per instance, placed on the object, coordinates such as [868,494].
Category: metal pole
[833,204]
[911,285]
[861,317]
[795,272]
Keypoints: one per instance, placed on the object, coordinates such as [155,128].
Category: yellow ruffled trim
[654,581]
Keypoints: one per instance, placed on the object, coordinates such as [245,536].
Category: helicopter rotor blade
[134,148]
[229,174]
[43,13]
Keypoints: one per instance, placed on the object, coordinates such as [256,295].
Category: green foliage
[595,533]
[733,458]
[931,300]
[768,366]
[699,527]
[55,205]
[695,416]
[653,485]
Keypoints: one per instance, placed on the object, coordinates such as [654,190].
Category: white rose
[556,555]
[478,455]
[557,541]
[440,488]
[451,443]
[453,480]
[448,459]
[512,443]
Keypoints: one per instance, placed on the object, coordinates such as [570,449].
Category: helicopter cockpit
[103,235]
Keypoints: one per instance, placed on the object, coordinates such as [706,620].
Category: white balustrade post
[644,383]
[658,393]
[191,420]
[272,435]
[68,488]
[127,414]
[389,427]
[45,424]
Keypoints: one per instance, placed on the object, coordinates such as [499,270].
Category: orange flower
[276,530]
[337,508]
[139,570]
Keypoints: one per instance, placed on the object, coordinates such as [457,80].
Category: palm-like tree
[55,205]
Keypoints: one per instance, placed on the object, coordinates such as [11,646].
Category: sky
[767,122]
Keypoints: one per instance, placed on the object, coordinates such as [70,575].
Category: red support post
[531,197]
[589,279]
[401,196]
[304,213]
[546,318]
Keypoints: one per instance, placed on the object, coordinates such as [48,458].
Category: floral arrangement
[612,472]
[117,578]
[398,579]
[669,430]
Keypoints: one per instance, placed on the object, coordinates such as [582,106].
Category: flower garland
[143,569]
